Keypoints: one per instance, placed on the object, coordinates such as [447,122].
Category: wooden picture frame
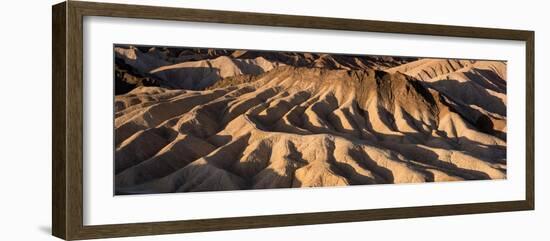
[67,152]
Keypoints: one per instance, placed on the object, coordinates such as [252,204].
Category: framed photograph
[171,120]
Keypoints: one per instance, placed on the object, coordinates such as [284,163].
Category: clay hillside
[206,120]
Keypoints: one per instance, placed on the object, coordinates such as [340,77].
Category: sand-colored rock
[292,125]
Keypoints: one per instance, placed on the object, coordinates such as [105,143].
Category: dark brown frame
[67,169]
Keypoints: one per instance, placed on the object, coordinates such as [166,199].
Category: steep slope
[198,69]
[203,73]
[477,87]
[299,127]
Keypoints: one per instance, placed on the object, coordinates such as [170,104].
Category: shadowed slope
[300,127]
[198,69]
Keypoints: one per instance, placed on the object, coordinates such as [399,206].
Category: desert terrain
[189,119]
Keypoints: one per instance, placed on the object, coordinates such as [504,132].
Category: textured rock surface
[270,120]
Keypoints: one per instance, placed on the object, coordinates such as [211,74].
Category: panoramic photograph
[190,119]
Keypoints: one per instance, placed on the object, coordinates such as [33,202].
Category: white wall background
[25,120]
